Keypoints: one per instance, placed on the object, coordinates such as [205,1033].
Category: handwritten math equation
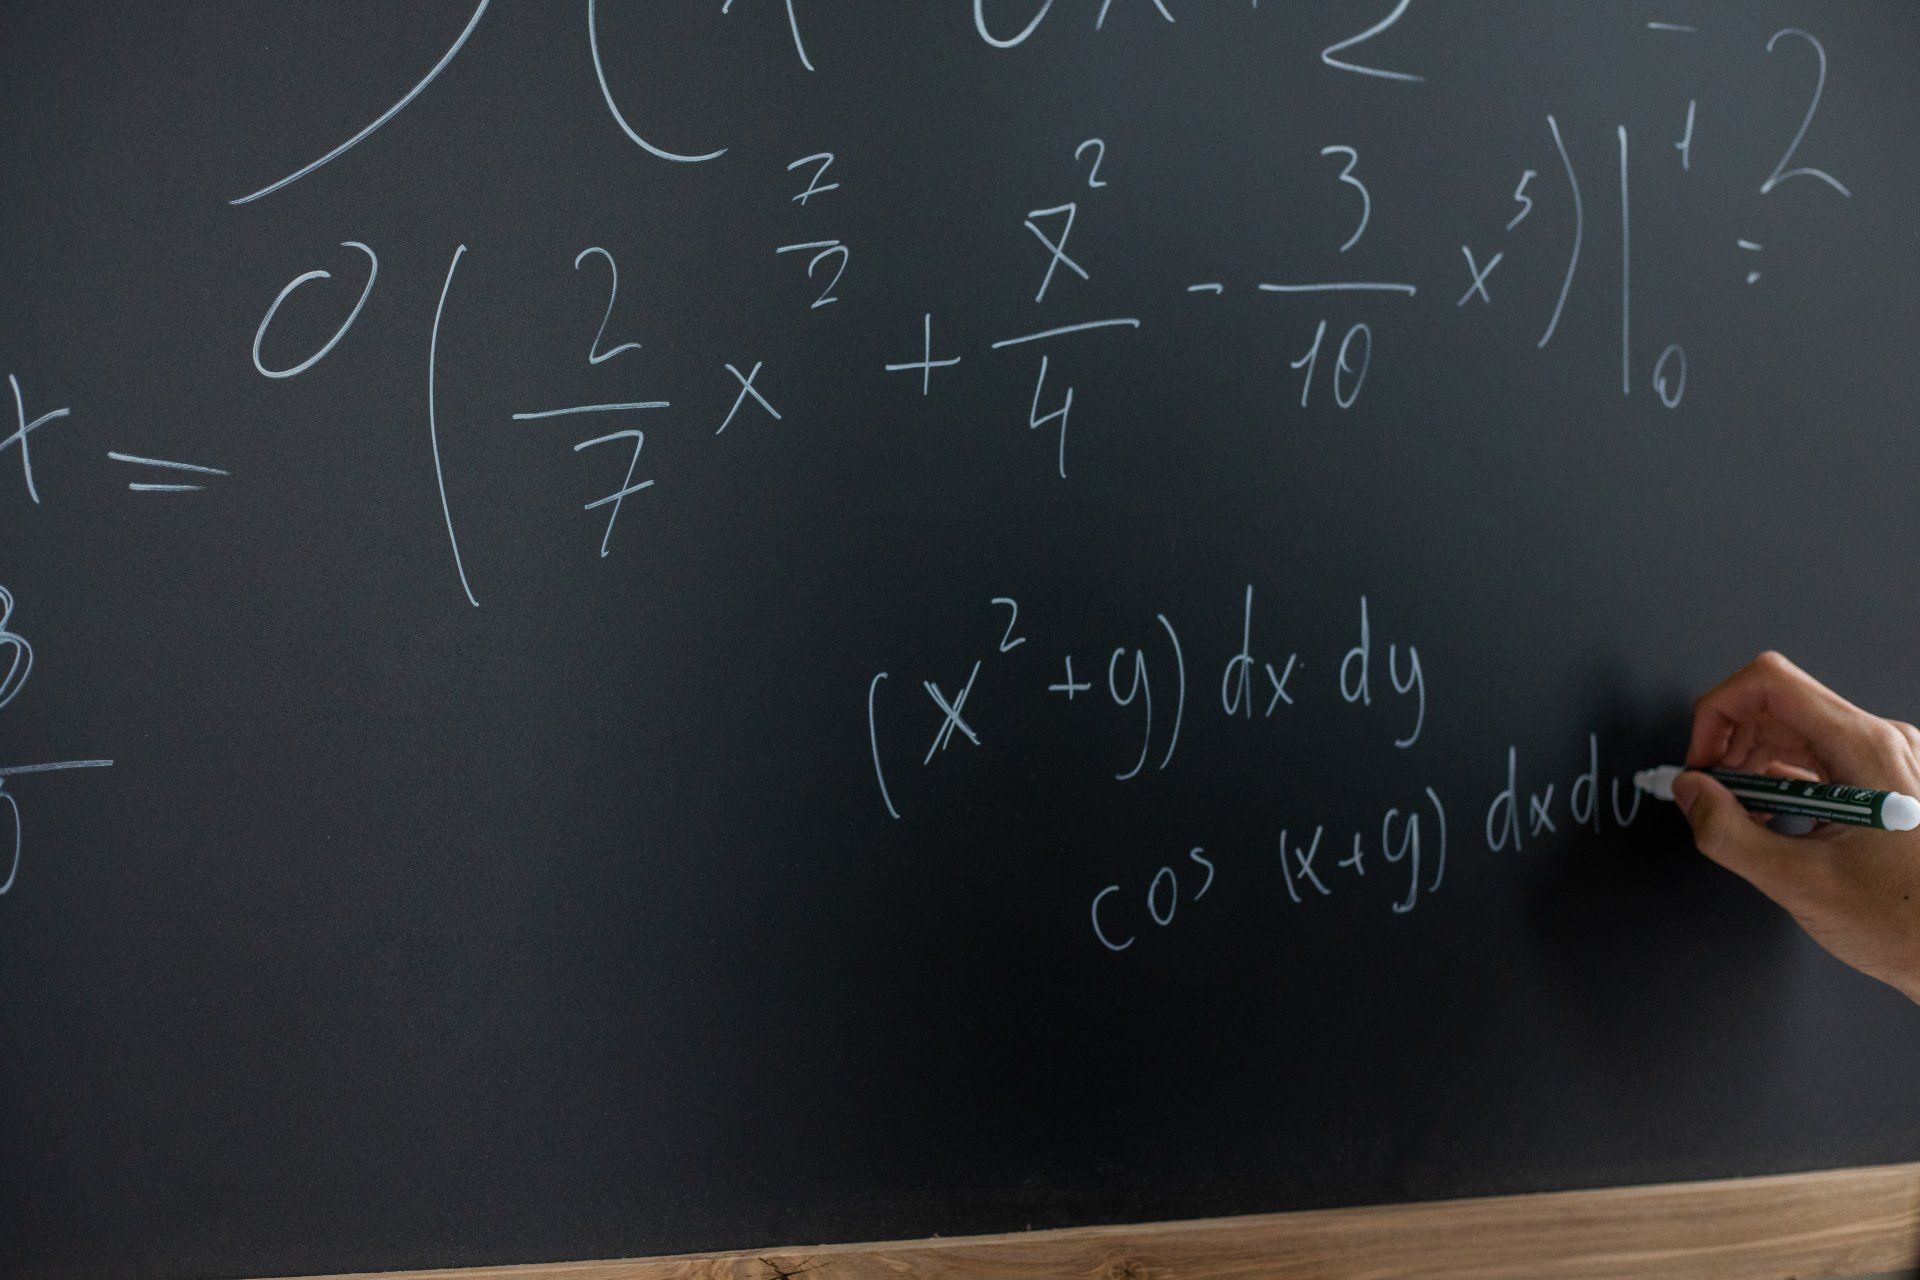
[1166,692]
[1330,365]
[1057,346]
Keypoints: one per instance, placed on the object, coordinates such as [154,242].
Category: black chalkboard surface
[725,624]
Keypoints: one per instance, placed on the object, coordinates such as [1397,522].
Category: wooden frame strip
[1812,1226]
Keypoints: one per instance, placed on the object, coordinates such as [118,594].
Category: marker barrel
[1823,801]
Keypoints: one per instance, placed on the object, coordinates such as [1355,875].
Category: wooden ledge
[1811,1226]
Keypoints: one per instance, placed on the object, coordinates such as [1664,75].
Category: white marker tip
[1658,782]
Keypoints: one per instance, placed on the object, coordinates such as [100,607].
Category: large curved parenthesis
[384,116]
[873,738]
[793,21]
[1579,229]
[980,24]
[373,272]
[593,44]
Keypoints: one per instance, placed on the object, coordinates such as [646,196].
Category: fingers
[1771,708]
[1778,768]
[1779,866]
[1764,746]
[1741,743]
[1768,691]
[1775,744]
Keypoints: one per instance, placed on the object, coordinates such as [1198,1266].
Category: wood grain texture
[1814,1226]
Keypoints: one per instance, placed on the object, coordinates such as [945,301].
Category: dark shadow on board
[1630,924]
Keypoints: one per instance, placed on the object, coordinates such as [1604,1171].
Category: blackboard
[1314,451]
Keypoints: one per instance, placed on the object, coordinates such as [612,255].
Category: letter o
[373,272]
[1153,893]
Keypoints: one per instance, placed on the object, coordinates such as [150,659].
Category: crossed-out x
[952,710]
[1057,248]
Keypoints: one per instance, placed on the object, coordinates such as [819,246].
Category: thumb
[1727,833]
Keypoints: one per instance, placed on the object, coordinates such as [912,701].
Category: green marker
[1822,801]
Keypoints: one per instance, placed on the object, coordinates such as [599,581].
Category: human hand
[1855,890]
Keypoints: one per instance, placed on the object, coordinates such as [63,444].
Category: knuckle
[1771,660]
